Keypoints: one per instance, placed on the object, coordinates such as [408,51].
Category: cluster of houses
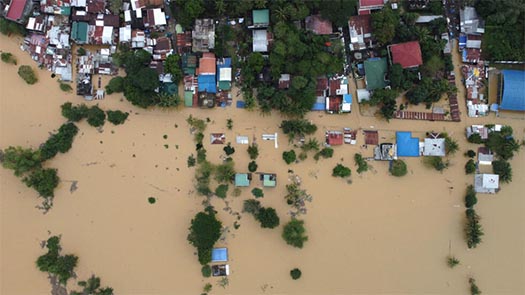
[484,182]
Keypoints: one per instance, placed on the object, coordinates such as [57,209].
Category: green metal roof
[79,32]
[261,16]
[225,85]
[170,88]
[188,98]
[65,10]
[241,179]
[375,71]
[268,181]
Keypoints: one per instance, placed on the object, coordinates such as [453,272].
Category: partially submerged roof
[318,25]
[219,255]
[513,90]
[375,71]
[407,146]
[242,179]
[434,147]
[406,54]
[261,17]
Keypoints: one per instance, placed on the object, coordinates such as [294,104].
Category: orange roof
[407,54]
[207,64]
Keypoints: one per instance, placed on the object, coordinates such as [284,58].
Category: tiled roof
[407,54]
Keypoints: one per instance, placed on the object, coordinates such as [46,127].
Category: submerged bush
[470,197]
[294,233]
[362,165]
[96,116]
[267,217]
[398,168]
[295,273]
[289,156]
[27,73]
[341,171]
[20,160]
[470,167]
[54,263]
[8,58]
[59,142]
[473,230]
[117,117]
[44,181]
[74,113]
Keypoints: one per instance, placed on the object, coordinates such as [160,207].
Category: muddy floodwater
[376,235]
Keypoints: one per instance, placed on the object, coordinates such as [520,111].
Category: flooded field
[376,235]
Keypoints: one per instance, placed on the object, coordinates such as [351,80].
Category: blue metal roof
[207,83]
[318,106]
[219,255]
[513,90]
[407,146]
[347,98]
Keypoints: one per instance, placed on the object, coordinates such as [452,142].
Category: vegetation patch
[221,191]
[473,230]
[294,233]
[152,200]
[65,87]
[452,261]
[325,153]
[61,266]
[8,58]
[297,128]
[117,117]
[295,273]
[289,156]
[503,169]
[257,192]
[27,73]
[59,142]
[470,197]
[341,171]
[398,168]
[362,165]
[205,230]
[470,167]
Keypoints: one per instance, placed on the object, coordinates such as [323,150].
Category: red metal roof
[16,9]
[334,137]
[363,3]
[207,64]
[363,22]
[407,54]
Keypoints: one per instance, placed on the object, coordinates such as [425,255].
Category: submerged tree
[56,264]
[294,233]
[20,160]
[205,230]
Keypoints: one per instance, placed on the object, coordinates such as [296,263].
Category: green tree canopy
[20,160]
[339,11]
[205,230]
[44,181]
[172,65]
[384,24]
[56,264]
[294,233]
[268,218]
[27,73]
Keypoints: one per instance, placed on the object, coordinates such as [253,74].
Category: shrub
[452,261]
[201,155]
[96,116]
[207,287]
[152,200]
[81,51]
[205,230]
[451,146]
[294,233]
[298,127]
[206,271]
[224,172]
[44,181]
[8,58]
[289,156]
[325,153]
[53,263]
[257,192]
[341,171]
[474,289]
[27,73]
[268,218]
[252,166]
[221,191]
[251,206]
[473,230]
[74,113]
[311,145]
[116,84]
[65,87]
[362,165]
[398,168]
[59,142]
[191,161]
[20,160]
[470,167]
[470,197]
[253,151]
[229,124]
[117,117]
[228,149]
[503,169]
[470,153]
[436,162]
[475,138]
[295,273]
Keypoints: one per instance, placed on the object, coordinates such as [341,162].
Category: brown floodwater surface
[376,235]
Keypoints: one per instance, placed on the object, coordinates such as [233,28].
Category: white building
[486,183]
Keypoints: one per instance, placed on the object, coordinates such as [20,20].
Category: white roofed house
[486,183]
[125,34]
[155,18]
[37,23]
[260,40]
[434,147]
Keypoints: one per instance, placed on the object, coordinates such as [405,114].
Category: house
[318,25]
[55,7]
[407,146]
[334,138]
[338,100]
[486,183]
[434,147]
[321,93]
[206,73]
[367,6]
[284,81]
[385,152]
[224,73]
[268,179]
[154,17]
[478,129]
[217,138]
[260,40]
[485,156]
[79,32]
[125,34]
[375,71]
[371,137]
[162,49]
[360,29]
[243,179]
[17,10]
[138,39]
[470,22]
[513,85]
[37,23]
[184,42]
[407,54]
[203,35]
[261,18]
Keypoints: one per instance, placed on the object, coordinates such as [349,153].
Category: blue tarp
[240,104]
[207,83]
[513,90]
[219,255]
[407,146]
[347,98]
[462,41]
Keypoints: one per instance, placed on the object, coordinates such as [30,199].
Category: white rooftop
[434,147]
